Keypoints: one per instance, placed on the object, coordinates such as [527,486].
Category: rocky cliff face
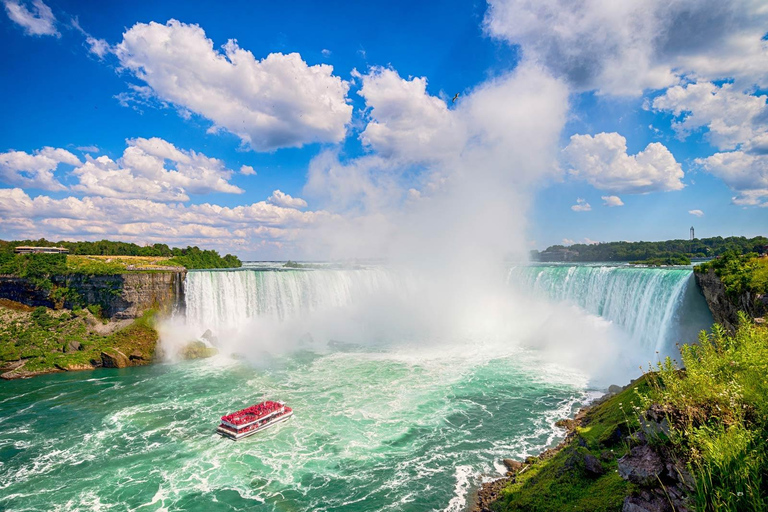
[724,308]
[120,296]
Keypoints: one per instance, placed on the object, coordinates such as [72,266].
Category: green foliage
[42,318]
[196,258]
[674,259]
[718,410]
[740,273]
[95,310]
[643,251]
[42,336]
[191,257]
[36,267]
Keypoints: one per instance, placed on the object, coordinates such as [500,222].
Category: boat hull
[237,436]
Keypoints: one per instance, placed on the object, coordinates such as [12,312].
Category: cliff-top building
[25,249]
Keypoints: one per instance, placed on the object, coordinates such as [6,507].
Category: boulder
[136,356]
[209,337]
[592,465]
[512,466]
[641,466]
[638,504]
[115,359]
[197,350]
[72,346]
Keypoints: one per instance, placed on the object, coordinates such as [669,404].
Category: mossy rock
[197,350]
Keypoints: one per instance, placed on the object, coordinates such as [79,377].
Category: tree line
[640,251]
[191,257]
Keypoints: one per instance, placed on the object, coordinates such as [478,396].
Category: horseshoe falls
[404,400]
[657,307]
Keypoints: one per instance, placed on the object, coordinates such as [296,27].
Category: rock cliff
[121,296]
[725,308]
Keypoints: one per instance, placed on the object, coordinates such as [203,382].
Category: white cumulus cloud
[745,173]
[253,228]
[696,213]
[581,206]
[405,121]
[247,170]
[279,101]
[39,21]
[732,117]
[279,198]
[35,170]
[154,169]
[612,201]
[625,47]
[602,161]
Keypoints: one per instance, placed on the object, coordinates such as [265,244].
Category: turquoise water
[372,431]
[381,423]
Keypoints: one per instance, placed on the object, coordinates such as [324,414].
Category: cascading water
[230,299]
[656,307]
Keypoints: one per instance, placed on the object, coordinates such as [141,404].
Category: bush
[739,273]
[95,310]
[42,318]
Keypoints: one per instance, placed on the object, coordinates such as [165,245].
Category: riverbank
[686,436]
[37,341]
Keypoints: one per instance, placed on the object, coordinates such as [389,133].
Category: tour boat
[255,418]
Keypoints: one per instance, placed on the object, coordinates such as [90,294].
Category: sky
[316,130]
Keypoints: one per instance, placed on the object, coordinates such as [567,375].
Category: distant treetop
[190,257]
[640,251]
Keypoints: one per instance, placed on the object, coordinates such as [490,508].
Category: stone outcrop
[121,296]
[724,308]
[642,466]
[114,359]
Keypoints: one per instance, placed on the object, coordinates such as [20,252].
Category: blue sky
[150,110]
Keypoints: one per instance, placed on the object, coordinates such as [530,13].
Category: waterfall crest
[657,307]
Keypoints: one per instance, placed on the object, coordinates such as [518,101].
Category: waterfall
[657,307]
[216,299]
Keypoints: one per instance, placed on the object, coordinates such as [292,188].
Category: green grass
[739,273]
[560,482]
[718,410]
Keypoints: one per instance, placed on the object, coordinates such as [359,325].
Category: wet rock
[641,466]
[567,424]
[137,356]
[72,346]
[209,337]
[115,359]
[512,466]
[592,465]
[197,350]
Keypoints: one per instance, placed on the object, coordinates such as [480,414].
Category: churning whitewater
[378,425]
